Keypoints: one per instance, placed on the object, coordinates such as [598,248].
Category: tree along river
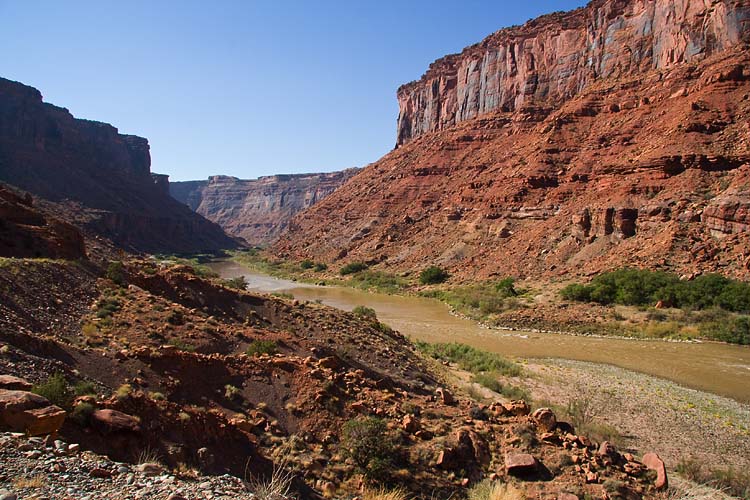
[713,367]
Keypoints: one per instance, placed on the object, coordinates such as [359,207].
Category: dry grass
[30,482]
[278,486]
[495,490]
[383,494]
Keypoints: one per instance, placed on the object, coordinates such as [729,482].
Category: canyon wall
[257,210]
[98,178]
[614,135]
[554,57]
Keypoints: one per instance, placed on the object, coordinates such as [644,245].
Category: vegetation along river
[717,368]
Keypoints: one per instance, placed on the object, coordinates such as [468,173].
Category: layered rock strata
[257,210]
[98,178]
[554,57]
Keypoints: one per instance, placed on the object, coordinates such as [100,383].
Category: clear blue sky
[243,88]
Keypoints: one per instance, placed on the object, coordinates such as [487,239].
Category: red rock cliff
[555,56]
[98,178]
[257,210]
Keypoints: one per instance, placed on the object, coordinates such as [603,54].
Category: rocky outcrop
[98,178]
[554,57]
[27,412]
[728,214]
[27,231]
[257,210]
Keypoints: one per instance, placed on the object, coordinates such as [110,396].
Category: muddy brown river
[712,367]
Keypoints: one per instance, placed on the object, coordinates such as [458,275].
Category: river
[712,367]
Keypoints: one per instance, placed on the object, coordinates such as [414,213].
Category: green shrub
[733,330]
[231,392]
[116,272]
[81,414]
[258,347]
[353,267]
[377,280]
[307,264]
[238,283]
[638,287]
[56,390]
[84,388]
[367,442]
[471,359]
[433,275]
[365,312]
[182,345]
[320,267]
[107,306]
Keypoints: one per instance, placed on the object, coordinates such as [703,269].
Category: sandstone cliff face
[645,168]
[257,210]
[556,56]
[100,179]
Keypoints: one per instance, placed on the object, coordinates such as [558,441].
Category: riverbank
[505,304]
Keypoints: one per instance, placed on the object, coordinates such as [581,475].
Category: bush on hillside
[433,275]
[353,267]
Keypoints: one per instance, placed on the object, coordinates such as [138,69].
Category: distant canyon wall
[257,210]
[98,179]
[555,56]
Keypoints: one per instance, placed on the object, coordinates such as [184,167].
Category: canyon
[612,135]
[257,210]
[95,177]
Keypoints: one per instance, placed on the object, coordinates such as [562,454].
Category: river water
[711,367]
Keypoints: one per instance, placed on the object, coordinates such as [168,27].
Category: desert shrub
[123,392]
[470,359]
[182,345]
[231,392]
[488,380]
[258,347]
[637,287]
[81,414]
[320,267]
[157,396]
[494,490]
[433,275]
[56,390]
[367,442]
[176,317]
[283,295]
[107,306]
[307,264]
[576,292]
[352,268]
[480,300]
[378,280]
[727,479]
[365,312]
[734,330]
[238,283]
[84,388]
[115,272]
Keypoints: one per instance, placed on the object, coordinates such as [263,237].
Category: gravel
[31,469]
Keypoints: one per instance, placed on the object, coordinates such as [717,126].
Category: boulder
[654,463]
[520,464]
[444,396]
[115,421]
[12,383]
[27,412]
[517,408]
[545,419]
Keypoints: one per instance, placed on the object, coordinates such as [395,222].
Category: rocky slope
[164,372]
[645,167]
[96,178]
[257,210]
[552,58]
[27,231]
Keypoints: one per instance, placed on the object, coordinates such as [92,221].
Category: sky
[244,88]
